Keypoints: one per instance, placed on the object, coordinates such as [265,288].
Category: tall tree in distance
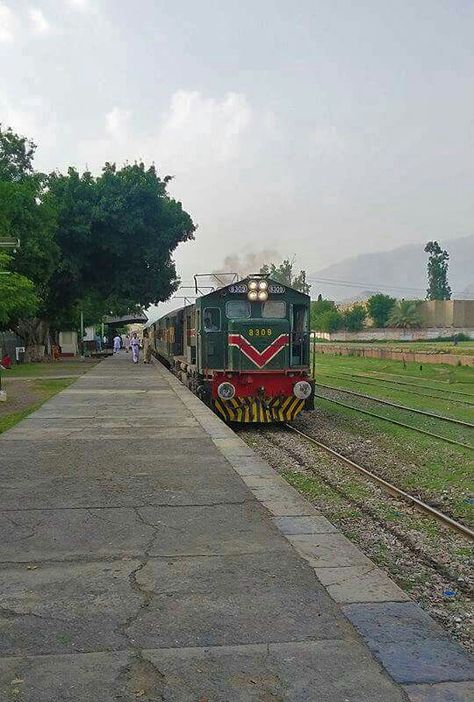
[284,274]
[438,288]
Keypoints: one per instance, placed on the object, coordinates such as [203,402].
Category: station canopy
[136,318]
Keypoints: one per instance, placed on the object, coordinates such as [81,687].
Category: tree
[438,288]
[25,216]
[325,316]
[405,315]
[354,317]
[16,155]
[283,274]
[99,243]
[379,307]
[17,295]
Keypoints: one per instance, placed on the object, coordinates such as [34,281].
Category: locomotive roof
[255,276]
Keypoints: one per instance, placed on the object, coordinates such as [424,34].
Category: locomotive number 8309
[260,332]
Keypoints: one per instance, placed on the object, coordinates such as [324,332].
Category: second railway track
[389,487]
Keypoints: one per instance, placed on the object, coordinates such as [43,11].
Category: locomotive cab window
[237,309]
[274,309]
[212,319]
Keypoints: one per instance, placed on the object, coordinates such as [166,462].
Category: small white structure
[68,343]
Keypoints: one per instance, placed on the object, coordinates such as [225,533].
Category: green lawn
[463,348]
[37,393]
[25,370]
[434,375]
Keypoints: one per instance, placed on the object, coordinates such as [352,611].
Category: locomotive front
[253,351]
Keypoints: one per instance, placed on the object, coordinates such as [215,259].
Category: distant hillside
[400,272]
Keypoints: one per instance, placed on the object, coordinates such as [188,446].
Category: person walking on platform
[146,347]
[117,343]
[135,345]
[126,343]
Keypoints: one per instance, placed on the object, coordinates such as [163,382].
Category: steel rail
[363,380]
[404,382]
[394,404]
[400,424]
[393,489]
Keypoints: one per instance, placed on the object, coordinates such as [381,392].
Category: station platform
[148,554]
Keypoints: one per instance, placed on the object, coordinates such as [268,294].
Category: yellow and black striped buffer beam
[248,410]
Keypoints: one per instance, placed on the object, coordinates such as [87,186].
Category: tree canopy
[438,288]
[379,307]
[101,243]
[17,295]
[284,274]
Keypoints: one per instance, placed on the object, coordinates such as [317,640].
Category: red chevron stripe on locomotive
[260,358]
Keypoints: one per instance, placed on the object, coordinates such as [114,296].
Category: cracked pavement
[136,564]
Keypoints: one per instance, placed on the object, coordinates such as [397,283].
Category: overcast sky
[320,128]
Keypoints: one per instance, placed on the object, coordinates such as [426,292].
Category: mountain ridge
[400,272]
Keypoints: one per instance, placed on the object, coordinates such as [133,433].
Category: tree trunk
[34,333]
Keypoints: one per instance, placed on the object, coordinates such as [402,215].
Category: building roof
[136,318]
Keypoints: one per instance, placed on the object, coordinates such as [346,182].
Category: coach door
[299,335]
[212,346]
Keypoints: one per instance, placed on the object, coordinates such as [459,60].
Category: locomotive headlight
[252,295]
[253,285]
[262,295]
[263,285]
[226,391]
[302,390]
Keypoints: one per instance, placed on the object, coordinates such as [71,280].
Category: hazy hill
[400,272]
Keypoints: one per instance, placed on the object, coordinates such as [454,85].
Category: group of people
[132,343]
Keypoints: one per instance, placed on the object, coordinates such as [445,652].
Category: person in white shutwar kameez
[135,346]
[117,343]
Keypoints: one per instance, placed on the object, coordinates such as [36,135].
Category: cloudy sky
[320,128]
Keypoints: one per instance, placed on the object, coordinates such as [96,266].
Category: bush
[405,315]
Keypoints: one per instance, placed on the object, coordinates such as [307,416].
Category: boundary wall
[450,359]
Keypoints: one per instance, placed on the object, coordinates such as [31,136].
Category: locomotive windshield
[237,309]
[274,309]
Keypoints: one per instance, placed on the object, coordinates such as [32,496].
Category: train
[243,349]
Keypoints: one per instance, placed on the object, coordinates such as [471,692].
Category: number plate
[264,331]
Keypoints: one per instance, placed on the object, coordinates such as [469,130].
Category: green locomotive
[243,349]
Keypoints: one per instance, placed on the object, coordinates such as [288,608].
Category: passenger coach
[243,349]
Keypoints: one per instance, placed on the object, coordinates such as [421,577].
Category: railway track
[409,387]
[398,406]
[389,487]
[394,421]
[405,383]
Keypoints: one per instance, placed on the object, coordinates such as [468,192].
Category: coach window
[212,319]
[274,309]
[237,309]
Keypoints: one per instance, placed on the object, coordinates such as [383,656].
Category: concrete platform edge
[414,650]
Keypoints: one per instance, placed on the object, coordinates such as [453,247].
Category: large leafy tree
[25,216]
[379,307]
[284,273]
[325,316]
[116,235]
[96,243]
[18,298]
[438,288]
[353,318]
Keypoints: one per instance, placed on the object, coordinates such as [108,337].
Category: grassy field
[23,399]
[28,385]
[63,367]
[464,348]
[439,472]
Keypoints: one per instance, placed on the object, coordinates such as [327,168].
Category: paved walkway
[137,564]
